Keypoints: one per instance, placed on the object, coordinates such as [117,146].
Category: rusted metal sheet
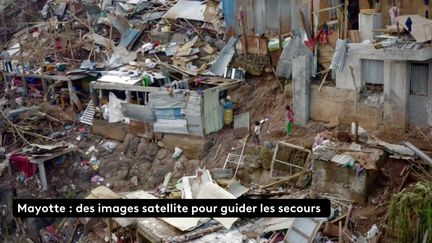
[269,17]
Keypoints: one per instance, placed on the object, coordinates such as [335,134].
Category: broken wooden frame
[287,161]
[46,78]
[40,162]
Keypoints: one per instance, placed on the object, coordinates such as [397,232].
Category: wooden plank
[49,77]
[345,25]
[123,87]
[327,9]
[286,163]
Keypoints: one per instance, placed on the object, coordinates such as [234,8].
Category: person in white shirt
[257,131]
[7,60]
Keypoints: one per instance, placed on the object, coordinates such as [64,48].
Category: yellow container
[228,117]
[166,28]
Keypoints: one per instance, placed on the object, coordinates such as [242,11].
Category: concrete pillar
[301,74]
[42,175]
[396,88]
[368,22]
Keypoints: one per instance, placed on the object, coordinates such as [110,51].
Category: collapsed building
[126,99]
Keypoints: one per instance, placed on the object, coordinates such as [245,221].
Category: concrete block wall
[343,182]
[301,92]
[336,106]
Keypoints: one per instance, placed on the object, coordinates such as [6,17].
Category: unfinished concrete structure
[403,74]
[347,175]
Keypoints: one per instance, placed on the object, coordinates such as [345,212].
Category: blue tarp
[170,114]
[228,7]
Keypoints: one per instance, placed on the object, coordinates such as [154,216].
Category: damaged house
[190,109]
[218,99]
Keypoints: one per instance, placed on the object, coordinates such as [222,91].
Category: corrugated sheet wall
[193,115]
[262,16]
[419,79]
[372,71]
[213,121]
[228,7]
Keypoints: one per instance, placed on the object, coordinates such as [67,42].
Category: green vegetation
[410,213]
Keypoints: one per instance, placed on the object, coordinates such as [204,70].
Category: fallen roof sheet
[152,16]
[265,225]
[237,189]
[111,78]
[214,191]
[184,224]
[294,48]
[421,28]
[224,58]
[129,38]
[340,55]
[420,153]
[303,230]
[186,9]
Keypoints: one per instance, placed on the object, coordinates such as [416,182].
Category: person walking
[7,60]
[257,131]
[290,117]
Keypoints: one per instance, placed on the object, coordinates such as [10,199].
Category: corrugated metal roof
[261,15]
[303,230]
[294,48]
[224,58]
[129,39]
[186,9]
[339,57]
[214,191]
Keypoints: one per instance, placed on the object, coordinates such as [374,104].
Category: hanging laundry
[408,24]
[310,44]
[321,38]
[394,13]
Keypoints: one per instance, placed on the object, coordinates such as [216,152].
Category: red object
[310,44]
[51,229]
[84,162]
[322,37]
[290,115]
[23,163]
[58,44]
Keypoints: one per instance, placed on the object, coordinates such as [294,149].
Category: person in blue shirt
[228,105]
[228,111]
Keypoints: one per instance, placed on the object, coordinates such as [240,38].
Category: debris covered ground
[185,99]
